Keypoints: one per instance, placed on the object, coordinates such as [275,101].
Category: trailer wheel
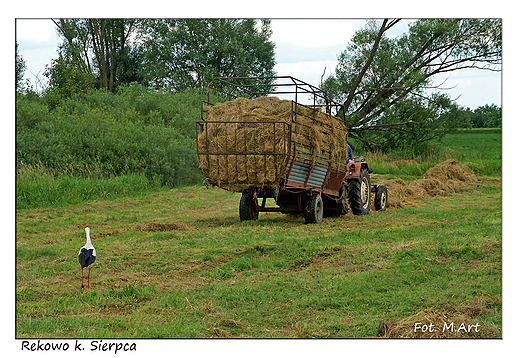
[314,210]
[343,195]
[338,206]
[359,194]
[247,208]
[381,198]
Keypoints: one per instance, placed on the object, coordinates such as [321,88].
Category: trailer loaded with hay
[252,142]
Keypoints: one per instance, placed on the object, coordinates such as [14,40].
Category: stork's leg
[82,277]
[88,278]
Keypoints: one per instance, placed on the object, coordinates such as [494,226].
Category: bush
[104,134]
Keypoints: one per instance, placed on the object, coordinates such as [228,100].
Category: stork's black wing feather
[86,257]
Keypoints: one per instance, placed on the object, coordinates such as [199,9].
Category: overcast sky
[304,49]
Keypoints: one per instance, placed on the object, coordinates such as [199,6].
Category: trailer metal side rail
[283,136]
[252,87]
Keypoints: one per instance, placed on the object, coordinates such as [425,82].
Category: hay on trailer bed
[241,154]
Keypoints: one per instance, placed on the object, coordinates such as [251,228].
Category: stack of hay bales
[238,155]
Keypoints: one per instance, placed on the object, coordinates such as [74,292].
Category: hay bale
[235,156]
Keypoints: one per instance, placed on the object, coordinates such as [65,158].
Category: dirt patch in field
[149,227]
[451,322]
[155,227]
[443,179]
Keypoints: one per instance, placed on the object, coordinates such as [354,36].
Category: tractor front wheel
[381,198]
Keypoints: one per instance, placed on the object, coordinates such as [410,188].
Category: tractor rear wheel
[359,194]
[314,210]
[247,208]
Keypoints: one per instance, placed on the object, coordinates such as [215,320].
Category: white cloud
[472,87]
[37,44]
[309,72]
[305,48]
[35,31]
[314,33]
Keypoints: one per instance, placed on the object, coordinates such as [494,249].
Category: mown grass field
[179,263]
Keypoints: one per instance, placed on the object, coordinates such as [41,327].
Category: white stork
[86,256]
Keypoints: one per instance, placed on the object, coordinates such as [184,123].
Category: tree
[376,74]
[66,79]
[189,53]
[487,116]
[19,70]
[100,47]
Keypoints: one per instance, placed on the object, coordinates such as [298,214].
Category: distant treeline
[488,116]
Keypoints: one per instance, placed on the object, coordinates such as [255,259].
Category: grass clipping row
[238,155]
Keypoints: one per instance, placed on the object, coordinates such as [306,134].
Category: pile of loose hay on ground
[444,179]
[249,149]
[431,323]
[451,322]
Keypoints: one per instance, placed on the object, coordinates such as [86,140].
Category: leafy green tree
[377,76]
[66,77]
[19,70]
[66,80]
[189,53]
[421,120]
[101,47]
[487,116]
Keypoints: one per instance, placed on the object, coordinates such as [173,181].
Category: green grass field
[179,263]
